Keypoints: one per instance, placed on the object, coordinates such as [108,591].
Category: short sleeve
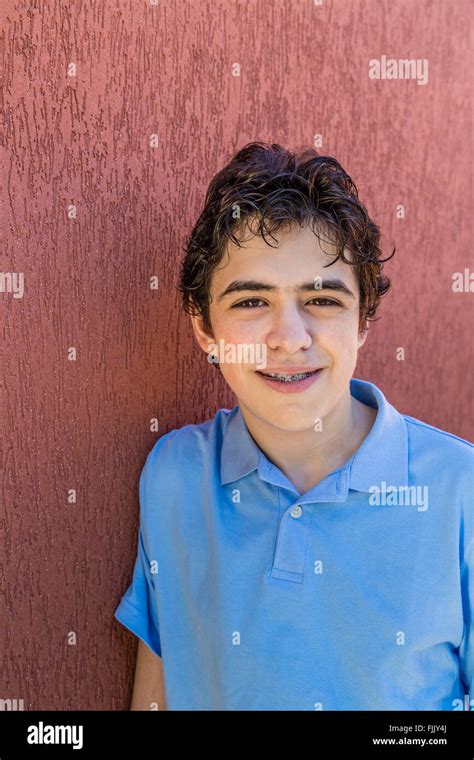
[466,650]
[137,610]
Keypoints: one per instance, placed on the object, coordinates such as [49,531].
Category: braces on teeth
[288,378]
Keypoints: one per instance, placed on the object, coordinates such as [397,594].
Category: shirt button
[296,511]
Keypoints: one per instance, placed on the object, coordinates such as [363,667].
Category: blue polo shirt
[356,595]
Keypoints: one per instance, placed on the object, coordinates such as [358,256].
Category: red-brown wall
[91,212]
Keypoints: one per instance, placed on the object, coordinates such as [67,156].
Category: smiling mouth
[287,378]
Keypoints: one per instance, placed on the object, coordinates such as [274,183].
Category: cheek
[233,331]
[342,331]
[343,342]
[340,341]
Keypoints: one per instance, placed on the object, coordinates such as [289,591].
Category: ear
[363,334]
[205,340]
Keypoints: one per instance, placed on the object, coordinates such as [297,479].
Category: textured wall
[94,207]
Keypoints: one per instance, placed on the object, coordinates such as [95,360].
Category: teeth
[288,378]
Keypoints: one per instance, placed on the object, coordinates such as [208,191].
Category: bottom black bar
[86,733]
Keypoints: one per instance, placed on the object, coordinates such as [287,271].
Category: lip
[295,387]
[289,370]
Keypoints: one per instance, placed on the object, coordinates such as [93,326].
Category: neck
[306,457]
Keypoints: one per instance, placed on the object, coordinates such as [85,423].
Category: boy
[311,548]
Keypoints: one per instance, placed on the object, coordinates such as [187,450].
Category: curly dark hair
[268,183]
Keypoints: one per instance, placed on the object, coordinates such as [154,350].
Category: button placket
[292,542]
[294,527]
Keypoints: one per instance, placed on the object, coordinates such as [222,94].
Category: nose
[288,330]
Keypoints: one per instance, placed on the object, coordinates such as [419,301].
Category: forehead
[295,255]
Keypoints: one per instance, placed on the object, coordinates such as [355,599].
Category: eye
[249,300]
[327,301]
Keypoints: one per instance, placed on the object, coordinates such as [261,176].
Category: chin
[289,418]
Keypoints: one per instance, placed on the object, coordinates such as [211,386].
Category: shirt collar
[382,455]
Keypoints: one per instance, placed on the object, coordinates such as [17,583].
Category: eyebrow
[306,287]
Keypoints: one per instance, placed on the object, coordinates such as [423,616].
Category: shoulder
[447,461]
[177,468]
[187,445]
[444,459]
[439,442]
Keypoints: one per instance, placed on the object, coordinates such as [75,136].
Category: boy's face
[301,330]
